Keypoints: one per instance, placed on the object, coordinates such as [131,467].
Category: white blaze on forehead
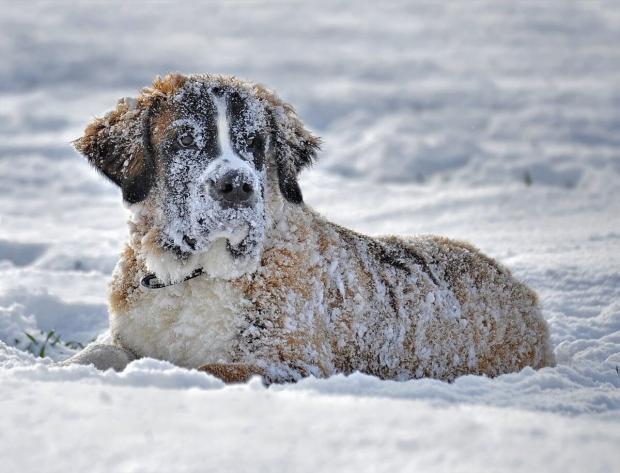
[223,128]
[223,136]
[228,158]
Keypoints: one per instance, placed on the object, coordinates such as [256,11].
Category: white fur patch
[188,324]
[223,128]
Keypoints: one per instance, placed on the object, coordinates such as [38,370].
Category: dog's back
[332,300]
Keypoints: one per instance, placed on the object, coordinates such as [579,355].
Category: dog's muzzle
[234,189]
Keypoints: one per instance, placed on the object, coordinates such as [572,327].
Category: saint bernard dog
[226,269]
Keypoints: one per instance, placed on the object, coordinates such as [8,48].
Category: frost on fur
[286,294]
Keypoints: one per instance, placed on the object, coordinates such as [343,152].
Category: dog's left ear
[115,145]
[294,146]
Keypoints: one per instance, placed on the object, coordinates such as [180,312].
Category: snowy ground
[494,122]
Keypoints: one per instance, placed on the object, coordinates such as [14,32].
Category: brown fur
[162,120]
[283,272]
[232,373]
[162,87]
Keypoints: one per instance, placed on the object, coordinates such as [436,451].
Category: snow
[253,429]
[483,121]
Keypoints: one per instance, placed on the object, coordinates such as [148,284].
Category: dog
[228,271]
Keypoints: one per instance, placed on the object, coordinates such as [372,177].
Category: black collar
[150,281]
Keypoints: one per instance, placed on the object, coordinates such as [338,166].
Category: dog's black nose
[233,188]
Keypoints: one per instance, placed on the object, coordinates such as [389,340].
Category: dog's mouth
[242,249]
[238,243]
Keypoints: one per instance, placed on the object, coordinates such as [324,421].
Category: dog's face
[209,145]
[199,159]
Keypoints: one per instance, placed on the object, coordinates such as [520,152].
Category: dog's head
[200,160]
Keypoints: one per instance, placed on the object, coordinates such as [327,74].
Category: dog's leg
[232,372]
[102,356]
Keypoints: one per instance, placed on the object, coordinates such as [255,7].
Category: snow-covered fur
[285,293]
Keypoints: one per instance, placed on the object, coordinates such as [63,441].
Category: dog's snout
[233,188]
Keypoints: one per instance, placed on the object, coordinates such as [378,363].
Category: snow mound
[155,413]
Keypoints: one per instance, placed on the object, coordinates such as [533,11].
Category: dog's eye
[254,143]
[186,140]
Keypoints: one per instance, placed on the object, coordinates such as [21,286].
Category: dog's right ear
[118,146]
[295,147]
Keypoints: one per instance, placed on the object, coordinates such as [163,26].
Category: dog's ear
[294,146]
[118,146]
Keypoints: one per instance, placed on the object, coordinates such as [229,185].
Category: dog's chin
[222,259]
[227,261]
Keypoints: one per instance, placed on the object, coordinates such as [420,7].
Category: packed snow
[492,122]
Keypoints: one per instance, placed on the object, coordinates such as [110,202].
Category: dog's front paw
[102,356]
[232,372]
